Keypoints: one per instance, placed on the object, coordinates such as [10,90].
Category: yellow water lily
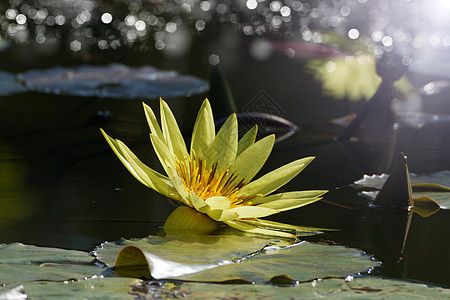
[213,181]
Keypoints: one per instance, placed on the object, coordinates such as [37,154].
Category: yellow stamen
[211,182]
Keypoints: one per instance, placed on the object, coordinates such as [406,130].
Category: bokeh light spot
[353,33]
[106,18]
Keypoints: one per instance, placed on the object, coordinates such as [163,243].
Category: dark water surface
[62,186]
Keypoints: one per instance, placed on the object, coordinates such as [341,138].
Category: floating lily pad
[126,288]
[91,288]
[21,263]
[216,259]
[189,249]
[303,261]
[113,81]
[356,288]
[434,185]
[9,85]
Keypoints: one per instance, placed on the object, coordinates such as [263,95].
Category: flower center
[209,182]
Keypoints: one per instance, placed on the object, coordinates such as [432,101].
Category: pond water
[62,186]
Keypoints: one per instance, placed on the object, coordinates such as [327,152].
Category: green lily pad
[301,261]
[279,271]
[92,288]
[434,185]
[18,253]
[21,263]
[112,81]
[356,288]
[229,257]
[193,249]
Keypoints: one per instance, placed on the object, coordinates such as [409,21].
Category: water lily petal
[165,156]
[168,163]
[275,179]
[247,140]
[253,211]
[295,229]
[204,130]
[198,203]
[157,181]
[251,160]
[140,171]
[248,227]
[288,204]
[222,215]
[179,186]
[219,202]
[289,200]
[172,134]
[224,147]
[152,122]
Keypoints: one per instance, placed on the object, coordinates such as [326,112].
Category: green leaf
[302,261]
[21,263]
[194,249]
[275,179]
[91,288]
[425,206]
[429,187]
[226,257]
[336,288]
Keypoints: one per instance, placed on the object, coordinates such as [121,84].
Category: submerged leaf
[113,81]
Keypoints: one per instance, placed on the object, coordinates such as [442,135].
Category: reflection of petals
[214,179]
[352,77]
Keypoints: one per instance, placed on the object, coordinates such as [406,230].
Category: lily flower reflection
[352,76]
[213,182]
